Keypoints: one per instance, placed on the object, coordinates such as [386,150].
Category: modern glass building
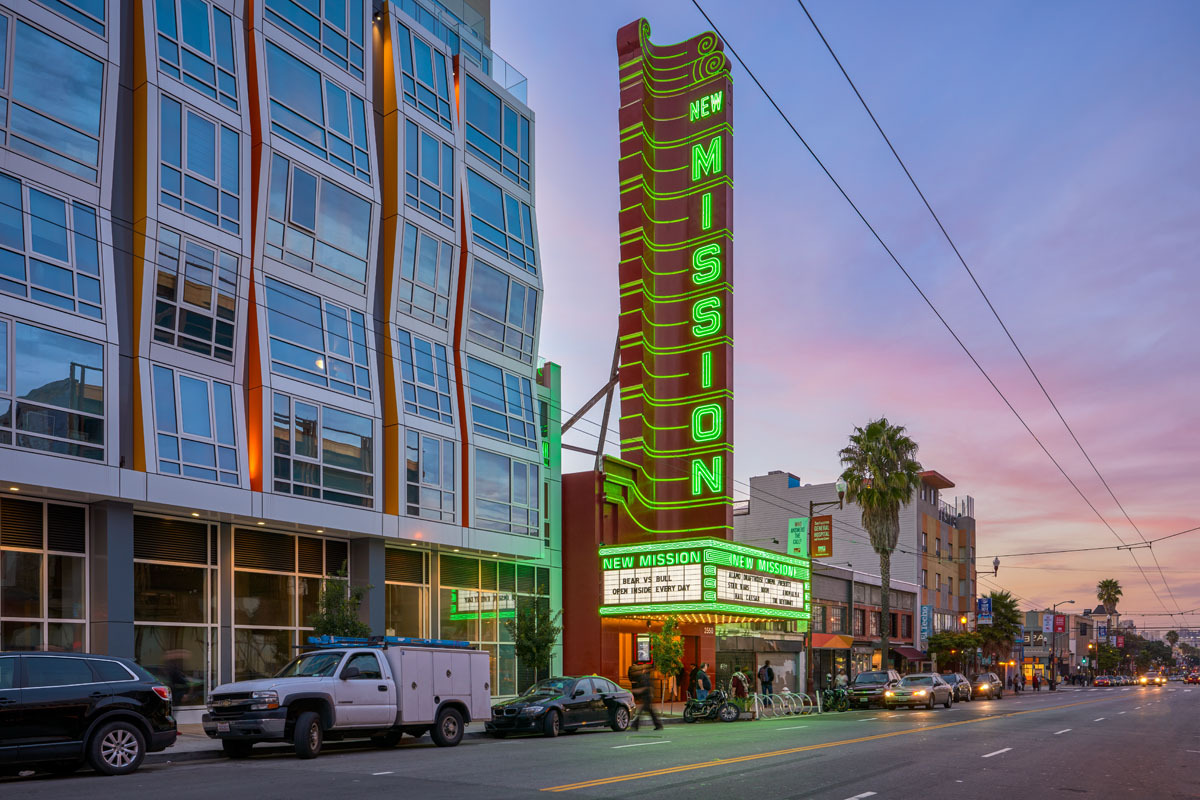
[269,304]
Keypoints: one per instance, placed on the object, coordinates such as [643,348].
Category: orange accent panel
[459,310]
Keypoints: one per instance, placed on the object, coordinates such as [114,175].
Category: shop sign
[926,624]
[1047,623]
[472,604]
[643,654]
[1060,623]
[1101,630]
[822,537]
[1120,641]
[703,575]
[798,537]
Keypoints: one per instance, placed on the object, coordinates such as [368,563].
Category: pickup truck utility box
[380,689]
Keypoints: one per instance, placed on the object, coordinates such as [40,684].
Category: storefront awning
[831,641]
[911,653]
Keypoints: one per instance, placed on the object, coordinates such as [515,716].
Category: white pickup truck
[378,689]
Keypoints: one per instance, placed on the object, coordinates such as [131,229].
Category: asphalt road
[1104,743]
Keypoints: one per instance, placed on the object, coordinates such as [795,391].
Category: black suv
[58,710]
[867,688]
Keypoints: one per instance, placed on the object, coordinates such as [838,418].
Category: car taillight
[163,692]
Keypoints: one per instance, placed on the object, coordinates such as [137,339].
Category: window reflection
[200,170]
[333,28]
[497,133]
[203,58]
[426,86]
[429,476]
[323,452]
[501,223]
[506,493]
[501,403]
[318,342]
[202,443]
[503,312]
[425,377]
[429,174]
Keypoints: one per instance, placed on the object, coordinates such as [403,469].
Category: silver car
[921,689]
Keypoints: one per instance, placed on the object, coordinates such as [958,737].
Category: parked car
[554,705]
[60,710]
[921,689]
[1103,680]
[1193,677]
[867,688]
[960,684]
[356,689]
[987,684]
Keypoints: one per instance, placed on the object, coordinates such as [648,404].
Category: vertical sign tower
[676,342]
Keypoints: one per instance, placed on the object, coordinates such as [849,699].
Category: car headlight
[264,701]
[888,693]
[920,693]
[531,710]
[984,685]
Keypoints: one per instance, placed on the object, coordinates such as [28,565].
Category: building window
[87,13]
[277,583]
[333,28]
[425,377]
[501,223]
[51,391]
[428,174]
[174,606]
[56,94]
[818,619]
[426,267]
[925,578]
[323,452]
[503,312]
[949,585]
[203,56]
[48,248]
[194,419]
[429,476]
[875,623]
[937,580]
[195,301]
[937,547]
[860,621]
[906,631]
[894,619]
[423,76]
[43,576]
[949,551]
[477,597]
[318,342]
[316,114]
[406,605]
[506,494]
[924,542]
[200,173]
[317,226]
[497,133]
[501,404]
[837,619]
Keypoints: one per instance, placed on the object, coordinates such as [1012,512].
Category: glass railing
[462,29]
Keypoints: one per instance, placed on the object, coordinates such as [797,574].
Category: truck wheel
[308,736]
[551,725]
[235,749]
[117,749]
[387,740]
[447,731]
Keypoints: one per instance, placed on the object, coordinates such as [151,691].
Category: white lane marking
[1185,691]
[383,773]
[641,744]
[1194,751]
[861,796]
[793,728]
[998,752]
[1064,730]
[1135,708]
[1119,713]
[868,719]
[1101,719]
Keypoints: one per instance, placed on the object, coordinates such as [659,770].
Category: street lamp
[813,506]
[1054,645]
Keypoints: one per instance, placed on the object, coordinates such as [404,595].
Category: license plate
[222,727]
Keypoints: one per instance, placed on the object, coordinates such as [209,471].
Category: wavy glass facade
[269,304]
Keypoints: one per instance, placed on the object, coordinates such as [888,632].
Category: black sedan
[987,684]
[960,684]
[922,689]
[555,705]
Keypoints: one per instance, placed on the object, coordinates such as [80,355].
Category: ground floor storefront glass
[43,576]
[406,600]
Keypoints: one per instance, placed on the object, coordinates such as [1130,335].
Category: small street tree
[337,608]
[666,648]
[953,649]
[534,631]
[881,474]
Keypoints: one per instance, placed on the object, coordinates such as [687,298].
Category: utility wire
[916,286]
[985,297]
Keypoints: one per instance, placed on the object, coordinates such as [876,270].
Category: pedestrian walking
[766,678]
[643,692]
[1037,682]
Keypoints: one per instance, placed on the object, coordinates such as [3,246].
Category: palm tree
[881,474]
[1108,592]
[1172,637]
[999,637]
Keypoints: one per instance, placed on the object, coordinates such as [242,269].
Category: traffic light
[1084,661]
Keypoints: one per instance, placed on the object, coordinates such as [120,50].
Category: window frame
[319,490]
[519,235]
[432,100]
[477,325]
[358,359]
[226,219]
[416,142]
[447,451]
[226,476]
[411,284]
[532,510]
[275,12]
[414,391]
[477,138]
[482,389]
[225,268]
[223,87]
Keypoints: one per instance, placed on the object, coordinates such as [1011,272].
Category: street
[1124,741]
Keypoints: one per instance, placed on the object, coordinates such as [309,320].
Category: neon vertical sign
[676,287]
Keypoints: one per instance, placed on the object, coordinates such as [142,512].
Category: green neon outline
[646,424]
[653,400]
[672,144]
[714,479]
[681,349]
[661,299]
[651,374]
[706,369]
[707,316]
[708,160]
[718,415]
[715,106]
[706,260]
[669,505]
[710,607]
[706,541]
[706,211]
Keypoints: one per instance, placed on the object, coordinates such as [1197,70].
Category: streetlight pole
[812,506]
[1054,647]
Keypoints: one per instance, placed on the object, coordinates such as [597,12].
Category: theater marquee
[703,576]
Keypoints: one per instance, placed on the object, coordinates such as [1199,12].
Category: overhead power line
[988,300]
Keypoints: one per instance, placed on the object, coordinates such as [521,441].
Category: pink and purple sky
[1059,144]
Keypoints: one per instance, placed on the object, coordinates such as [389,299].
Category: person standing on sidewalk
[702,684]
[766,678]
[643,692]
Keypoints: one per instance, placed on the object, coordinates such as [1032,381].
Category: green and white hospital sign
[703,576]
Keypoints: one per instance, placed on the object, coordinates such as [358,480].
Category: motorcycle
[836,699]
[715,706]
